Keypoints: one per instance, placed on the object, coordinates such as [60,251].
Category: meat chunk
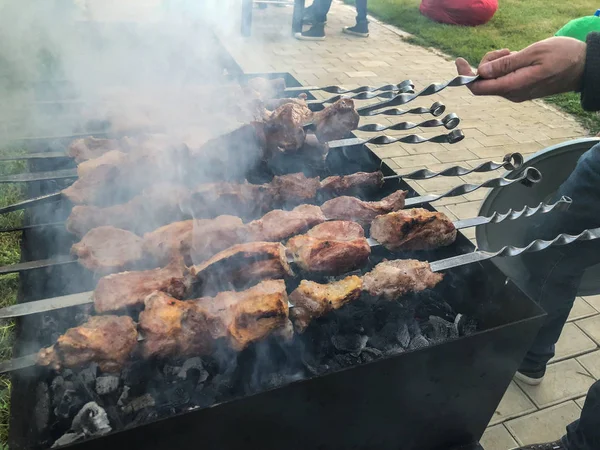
[330,248]
[146,212]
[108,249]
[278,225]
[165,242]
[393,279]
[347,184]
[357,210]
[90,147]
[106,340]
[242,264]
[129,289]
[90,189]
[312,300]
[111,158]
[413,229]
[285,128]
[294,188]
[336,121]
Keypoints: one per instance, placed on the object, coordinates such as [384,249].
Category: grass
[10,253]
[517,24]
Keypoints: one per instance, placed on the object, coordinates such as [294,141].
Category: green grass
[10,253]
[517,24]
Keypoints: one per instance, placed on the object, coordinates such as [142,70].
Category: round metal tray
[555,163]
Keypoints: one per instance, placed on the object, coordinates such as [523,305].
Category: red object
[459,12]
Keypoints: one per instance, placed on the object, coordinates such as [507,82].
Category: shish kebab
[344,207]
[111,341]
[331,247]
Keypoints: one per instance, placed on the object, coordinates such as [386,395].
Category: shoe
[532,379]
[556,445]
[361,29]
[315,33]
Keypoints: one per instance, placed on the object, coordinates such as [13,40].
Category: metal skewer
[364,96]
[341,90]
[453,137]
[436,109]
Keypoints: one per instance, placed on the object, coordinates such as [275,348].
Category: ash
[88,403]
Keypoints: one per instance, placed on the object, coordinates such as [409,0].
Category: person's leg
[554,274]
[584,434]
[361,11]
[318,21]
[362,25]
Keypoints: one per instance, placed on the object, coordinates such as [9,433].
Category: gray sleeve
[590,86]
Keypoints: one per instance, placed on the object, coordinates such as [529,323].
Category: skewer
[450,121]
[365,96]
[436,109]
[40,306]
[436,266]
[453,137]
[342,90]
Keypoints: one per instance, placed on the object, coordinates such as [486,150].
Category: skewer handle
[511,161]
[18,363]
[48,198]
[30,177]
[45,305]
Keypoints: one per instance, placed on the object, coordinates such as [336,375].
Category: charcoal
[193,368]
[370,354]
[138,403]
[204,397]
[177,394]
[88,375]
[42,407]
[170,372]
[58,388]
[68,438]
[403,335]
[69,404]
[124,396]
[107,384]
[134,374]
[419,341]
[92,421]
[437,329]
[352,343]
[465,325]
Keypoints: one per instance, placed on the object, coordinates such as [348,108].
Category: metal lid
[556,164]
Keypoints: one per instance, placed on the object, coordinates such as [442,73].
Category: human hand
[548,67]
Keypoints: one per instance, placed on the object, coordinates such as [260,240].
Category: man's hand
[548,67]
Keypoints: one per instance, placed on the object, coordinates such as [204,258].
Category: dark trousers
[554,274]
[584,434]
[321,8]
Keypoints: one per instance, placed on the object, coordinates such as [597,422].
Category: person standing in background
[316,15]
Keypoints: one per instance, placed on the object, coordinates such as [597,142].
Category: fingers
[463,67]
[492,56]
[516,86]
[505,65]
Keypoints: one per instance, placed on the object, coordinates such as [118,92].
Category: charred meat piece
[360,181]
[413,229]
[108,249]
[357,210]
[312,300]
[164,242]
[284,130]
[278,225]
[393,279]
[294,188]
[91,189]
[330,248]
[145,212]
[336,121]
[106,340]
[129,289]
[242,264]
[90,147]
[111,158]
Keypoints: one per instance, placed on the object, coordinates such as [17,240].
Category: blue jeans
[321,8]
[553,279]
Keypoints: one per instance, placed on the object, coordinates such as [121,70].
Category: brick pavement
[493,127]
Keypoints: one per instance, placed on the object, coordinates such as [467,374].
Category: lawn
[517,24]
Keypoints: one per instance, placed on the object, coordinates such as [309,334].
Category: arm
[590,86]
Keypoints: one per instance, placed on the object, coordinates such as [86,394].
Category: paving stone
[580,402]
[514,403]
[591,362]
[454,155]
[591,326]
[581,309]
[544,426]
[572,342]
[465,210]
[415,161]
[594,301]
[565,380]
[438,184]
[497,438]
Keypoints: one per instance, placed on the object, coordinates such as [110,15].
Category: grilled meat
[284,129]
[393,279]
[153,208]
[294,188]
[129,289]
[165,242]
[243,264]
[312,300]
[330,248]
[175,328]
[90,148]
[108,341]
[357,210]
[108,249]
[110,158]
[413,229]
[92,189]
[279,225]
[346,184]
[336,121]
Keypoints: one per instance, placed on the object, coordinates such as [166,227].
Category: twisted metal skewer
[511,161]
[450,121]
[436,109]
[407,90]
[402,99]
[451,138]
[341,90]
[529,177]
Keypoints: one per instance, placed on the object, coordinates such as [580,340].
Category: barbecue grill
[437,388]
